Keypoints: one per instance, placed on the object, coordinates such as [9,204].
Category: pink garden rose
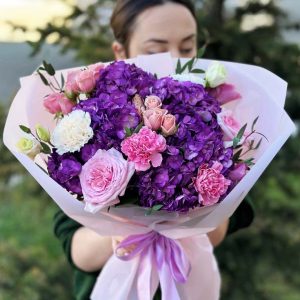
[95,68]
[230,127]
[168,126]
[144,147]
[225,93]
[103,178]
[51,103]
[238,172]
[153,118]
[71,86]
[86,81]
[152,102]
[210,183]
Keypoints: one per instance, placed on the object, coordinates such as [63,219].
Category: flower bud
[42,133]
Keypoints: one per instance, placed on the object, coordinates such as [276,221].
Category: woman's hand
[217,236]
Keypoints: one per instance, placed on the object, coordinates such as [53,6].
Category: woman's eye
[186,51]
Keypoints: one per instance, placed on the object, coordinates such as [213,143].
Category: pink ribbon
[165,254]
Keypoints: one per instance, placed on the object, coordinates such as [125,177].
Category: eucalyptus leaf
[45,148]
[25,129]
[241,132]
[254,122]
[43,78]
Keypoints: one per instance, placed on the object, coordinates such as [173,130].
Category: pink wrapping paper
[263,94]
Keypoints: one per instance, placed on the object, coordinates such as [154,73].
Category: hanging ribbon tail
[204,281]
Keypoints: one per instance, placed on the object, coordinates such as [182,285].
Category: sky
[32,13]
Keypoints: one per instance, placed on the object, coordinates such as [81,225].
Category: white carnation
[189,77]
[72,132]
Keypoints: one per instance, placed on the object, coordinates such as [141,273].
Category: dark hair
[126,11]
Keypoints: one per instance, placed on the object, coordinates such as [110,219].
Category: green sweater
[83,282]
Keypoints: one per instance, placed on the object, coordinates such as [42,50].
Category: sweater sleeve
[242,217]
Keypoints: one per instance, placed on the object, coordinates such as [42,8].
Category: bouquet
[153,149]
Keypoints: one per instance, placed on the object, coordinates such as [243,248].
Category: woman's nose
[174,52]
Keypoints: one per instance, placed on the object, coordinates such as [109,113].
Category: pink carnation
[210,183]
[144,147]
[103,178]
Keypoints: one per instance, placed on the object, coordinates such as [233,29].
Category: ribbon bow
[143,261]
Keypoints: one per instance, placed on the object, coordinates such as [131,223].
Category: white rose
[72,132]
[215,75]
[189,77]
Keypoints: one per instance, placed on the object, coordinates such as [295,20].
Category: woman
[140,27]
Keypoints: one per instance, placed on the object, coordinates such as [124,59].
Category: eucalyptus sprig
[252,146]
[49,69]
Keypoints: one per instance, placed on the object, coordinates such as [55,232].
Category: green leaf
[249,162]
[43,78]
[45,148]
[157,207]
[62,80]
[49,68]
[254,122]
[201,52]
[235,142]
[178,67]
[241,132]
[138,128]
[237,155]
[128,132]
[258,144]
[25,129]
[197,71]
[191,63]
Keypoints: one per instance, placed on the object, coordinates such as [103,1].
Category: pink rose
[95,68]
[103,178]
[71,86]
[225,93]
[51,103]
[66,104]
[238,172]
[210,183]
[230,127]
[138,103]
[168,126]
[144,147]
[152,102]
[86,81]
[153,117]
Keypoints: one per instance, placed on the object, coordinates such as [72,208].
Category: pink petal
[156,159]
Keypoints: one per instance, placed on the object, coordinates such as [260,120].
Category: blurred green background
[262,262]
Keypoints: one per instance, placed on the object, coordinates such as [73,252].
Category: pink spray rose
[66,104]
[144,147]
[51,103]
[230,127]
[103,178]
[168,126]
[153,118]
[95,68]
[225,93]
[152,102]
[71,86]
[86,81]
[210,183]
[238,172]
